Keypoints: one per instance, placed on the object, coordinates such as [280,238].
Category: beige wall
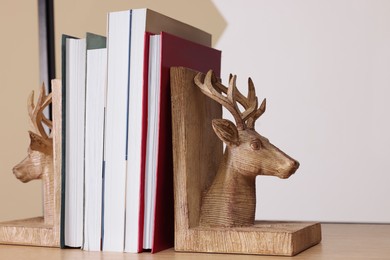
[19,74]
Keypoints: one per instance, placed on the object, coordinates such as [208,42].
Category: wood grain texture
[231,199]
[200,181]
[265,238]
[39,161]
[195,147]
[340,241]
[43,162]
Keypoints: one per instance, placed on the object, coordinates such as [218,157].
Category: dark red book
[175,51]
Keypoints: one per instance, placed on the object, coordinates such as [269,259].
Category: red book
[174,51]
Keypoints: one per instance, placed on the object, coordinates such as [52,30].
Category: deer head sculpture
[230,201]
[39,161]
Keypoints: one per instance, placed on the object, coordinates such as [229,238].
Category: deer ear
[226,131]
[38,143]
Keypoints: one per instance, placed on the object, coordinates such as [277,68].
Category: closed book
[115,148]
[166,51]
[75,65]
[63,135]
[96,81]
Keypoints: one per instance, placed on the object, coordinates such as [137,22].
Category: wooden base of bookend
[31,232]
[264,238]
[197,152]
[45,230]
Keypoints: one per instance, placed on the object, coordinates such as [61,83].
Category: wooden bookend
[42,162]
[215,196]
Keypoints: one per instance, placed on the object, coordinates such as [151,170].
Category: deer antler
[252,119]
[233,95]
[36,111]
[229,102]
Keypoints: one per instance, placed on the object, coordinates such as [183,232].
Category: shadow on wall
[202,14]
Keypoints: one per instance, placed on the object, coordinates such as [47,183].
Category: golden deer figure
[39,162]
[230,201]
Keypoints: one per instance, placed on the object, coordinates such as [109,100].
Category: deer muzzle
[287,170]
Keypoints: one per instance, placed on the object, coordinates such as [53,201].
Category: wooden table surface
[339,241]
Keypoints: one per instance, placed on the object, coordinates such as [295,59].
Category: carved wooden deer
[39,162]
[231,199]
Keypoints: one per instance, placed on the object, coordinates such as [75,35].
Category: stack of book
[118,176]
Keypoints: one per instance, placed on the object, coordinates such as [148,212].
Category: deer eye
[255,145]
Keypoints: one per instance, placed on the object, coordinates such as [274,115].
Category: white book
[96,81]
[118,51]
[152,138]
[75,119]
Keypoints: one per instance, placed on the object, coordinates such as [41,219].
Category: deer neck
[48,189]
[231,199]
